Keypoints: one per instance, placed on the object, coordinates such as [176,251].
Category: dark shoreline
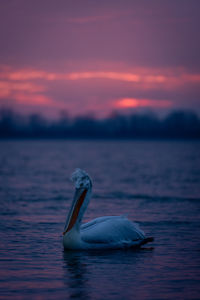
[176,125]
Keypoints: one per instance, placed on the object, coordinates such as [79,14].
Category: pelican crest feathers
[81,179]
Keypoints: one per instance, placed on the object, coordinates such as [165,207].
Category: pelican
[110,232]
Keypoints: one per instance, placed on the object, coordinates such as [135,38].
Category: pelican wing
[111,230]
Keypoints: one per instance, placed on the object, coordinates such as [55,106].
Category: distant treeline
[178,124]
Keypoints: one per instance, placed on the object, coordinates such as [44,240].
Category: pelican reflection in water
[110,232]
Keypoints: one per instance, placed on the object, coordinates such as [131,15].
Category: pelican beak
[79,197]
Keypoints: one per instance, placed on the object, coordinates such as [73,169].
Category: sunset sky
[96,57]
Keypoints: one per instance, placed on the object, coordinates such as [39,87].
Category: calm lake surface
[157,183]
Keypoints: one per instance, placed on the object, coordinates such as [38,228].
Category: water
[156,183]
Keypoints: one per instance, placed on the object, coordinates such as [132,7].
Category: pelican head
[81,179]
[83,188]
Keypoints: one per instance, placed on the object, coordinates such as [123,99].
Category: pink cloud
[140,76]
[29,74]
[38,99]
[83,91]
[7,87]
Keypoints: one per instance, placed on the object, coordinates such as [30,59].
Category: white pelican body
[111,232]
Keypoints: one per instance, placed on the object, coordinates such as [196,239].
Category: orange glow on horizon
[133,103]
